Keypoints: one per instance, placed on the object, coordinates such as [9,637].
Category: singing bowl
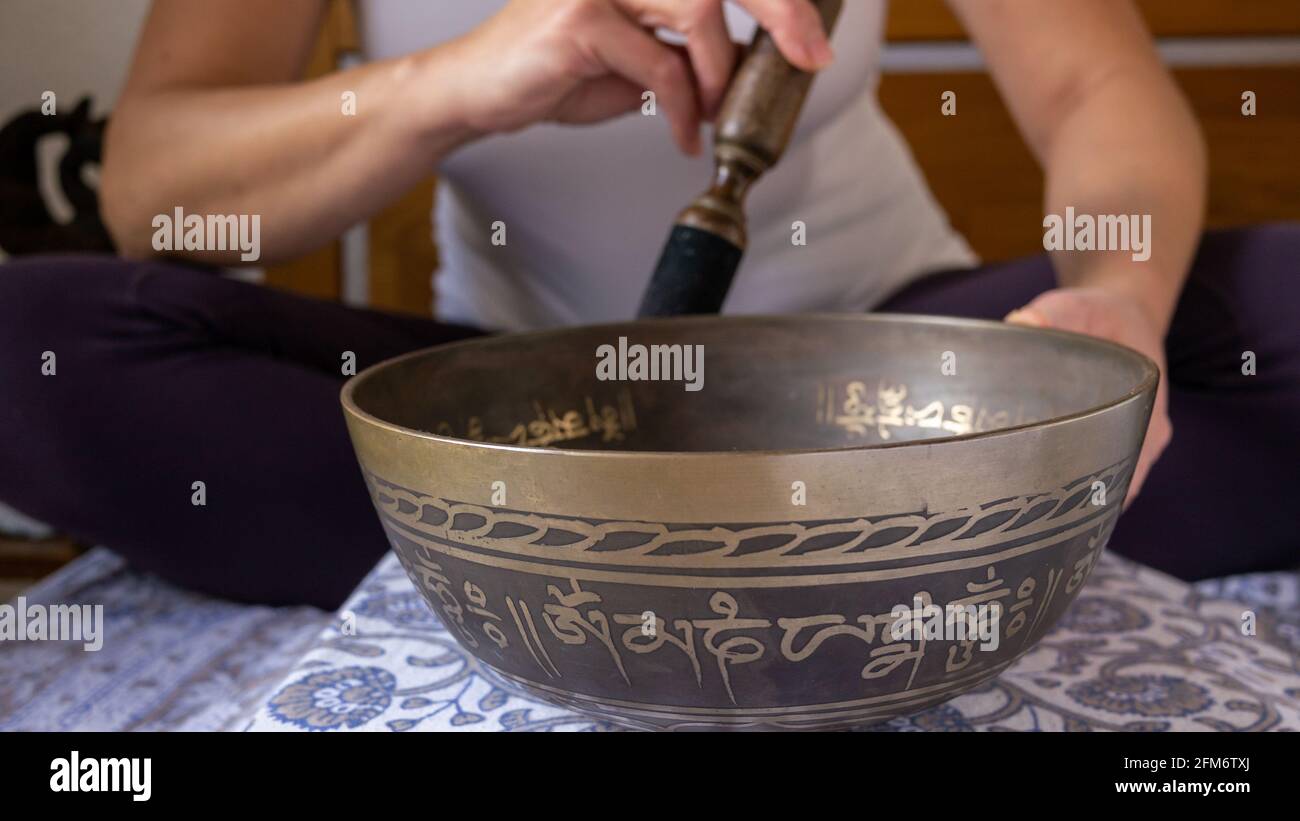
[734,557]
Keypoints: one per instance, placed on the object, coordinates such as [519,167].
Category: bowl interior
[764,383]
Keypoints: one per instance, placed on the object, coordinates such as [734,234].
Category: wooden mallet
[753,128]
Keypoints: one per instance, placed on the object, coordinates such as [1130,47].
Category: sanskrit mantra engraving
[862,411]
[718,642]
[610,421]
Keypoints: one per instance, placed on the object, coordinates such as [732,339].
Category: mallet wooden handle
[762,105]
[754,125]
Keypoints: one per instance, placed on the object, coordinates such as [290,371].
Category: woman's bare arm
[214,119]
[1115,137]
[1112,131]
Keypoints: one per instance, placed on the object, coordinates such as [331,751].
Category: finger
[1031,317]
[796,28]
[703,24]
[795,25]
[1160,431]
[1157,439]
[713,55]
[598,100]
[628,50]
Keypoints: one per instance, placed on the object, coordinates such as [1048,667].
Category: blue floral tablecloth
[1138,650]
[171,659]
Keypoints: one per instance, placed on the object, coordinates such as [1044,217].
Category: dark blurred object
[25,561]
[27,222]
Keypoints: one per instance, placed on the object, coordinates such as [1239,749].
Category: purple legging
[167,375]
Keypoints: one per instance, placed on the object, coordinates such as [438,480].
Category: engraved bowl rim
[1147,384]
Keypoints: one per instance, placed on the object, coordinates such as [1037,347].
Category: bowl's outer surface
[753,589]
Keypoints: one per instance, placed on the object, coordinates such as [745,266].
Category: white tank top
[586,209]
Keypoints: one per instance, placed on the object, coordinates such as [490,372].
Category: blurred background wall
[72,47]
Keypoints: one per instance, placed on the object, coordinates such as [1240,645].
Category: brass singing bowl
[735,557]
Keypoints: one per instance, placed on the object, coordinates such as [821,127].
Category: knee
[1242,297]
[56,316]
[1267,243]
[87,305]
[1252,269]
[42,294]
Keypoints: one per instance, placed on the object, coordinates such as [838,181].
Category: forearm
[1132,147]
[286,152]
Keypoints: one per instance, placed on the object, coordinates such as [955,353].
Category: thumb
[1028,315]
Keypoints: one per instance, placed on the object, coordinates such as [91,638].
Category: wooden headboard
[976,163]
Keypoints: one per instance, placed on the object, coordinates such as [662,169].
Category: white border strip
[1178,52]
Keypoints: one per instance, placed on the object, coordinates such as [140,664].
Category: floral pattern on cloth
[171,659]
[388,664]
[1137,650]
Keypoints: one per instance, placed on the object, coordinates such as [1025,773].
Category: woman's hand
[1110,315]
[582,61]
